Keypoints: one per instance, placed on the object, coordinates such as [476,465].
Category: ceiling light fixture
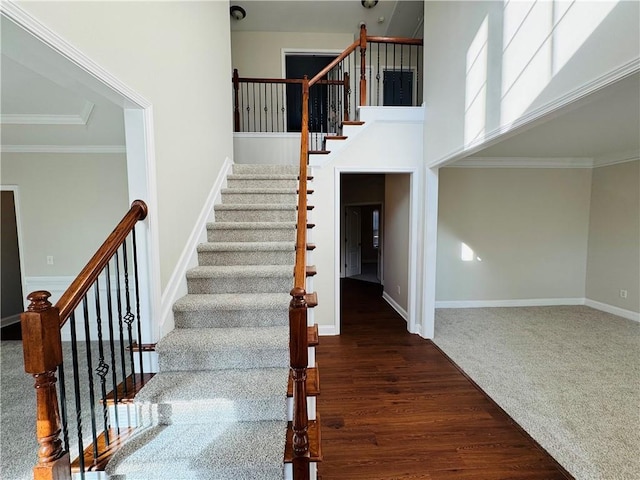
[238,12]
[369,3]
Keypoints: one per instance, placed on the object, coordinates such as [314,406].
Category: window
[376,228]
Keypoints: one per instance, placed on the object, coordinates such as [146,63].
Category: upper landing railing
[373,71]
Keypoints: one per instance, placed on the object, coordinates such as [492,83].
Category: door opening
[11,267]
[296,67]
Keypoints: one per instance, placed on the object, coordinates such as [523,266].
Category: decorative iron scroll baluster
[114,376]
[123,356]
[63,407]
[102,369]
[128,317]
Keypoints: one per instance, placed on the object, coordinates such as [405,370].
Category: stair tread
[213,271]
[117,438]
[246,246]
[315,442]
[312,336]
[352,122]
[260,190]
[231,301]
[262,176]
[212,385]
[312,383]
[127,390]
[225,450]
[311,299]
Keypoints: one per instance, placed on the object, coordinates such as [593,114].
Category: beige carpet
[570,376]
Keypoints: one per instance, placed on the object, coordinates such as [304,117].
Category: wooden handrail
[335,62]
[396,40]
[301,233]
[72,297]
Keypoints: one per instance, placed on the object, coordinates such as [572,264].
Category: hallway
[392,406]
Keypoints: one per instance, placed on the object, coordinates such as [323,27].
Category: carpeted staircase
[217,408]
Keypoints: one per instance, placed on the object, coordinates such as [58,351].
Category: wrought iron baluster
[401,75]
[76,387]
[128,317]
[378,75]
[63,407]
[92,396]
[137,292]
[254,107]
[114,376]
[102,369]
[121,324]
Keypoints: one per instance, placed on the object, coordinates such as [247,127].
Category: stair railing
[106,338]
[298,340]
[387,72]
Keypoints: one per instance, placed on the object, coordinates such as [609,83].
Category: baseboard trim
[396,306]
[605,307]
[327,330]
[524,302]
[10,320]
[177,286]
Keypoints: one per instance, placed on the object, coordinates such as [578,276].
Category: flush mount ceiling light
[238,12]
[369,3]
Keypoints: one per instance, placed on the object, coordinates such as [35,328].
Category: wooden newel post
[298,348]
[363,64]
[42,355]
[236,106]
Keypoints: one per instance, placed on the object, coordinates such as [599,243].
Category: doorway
[296,67]
[363,242]
[11,265]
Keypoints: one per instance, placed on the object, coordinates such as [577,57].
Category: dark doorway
[12,303]
[296,67]
[398,88]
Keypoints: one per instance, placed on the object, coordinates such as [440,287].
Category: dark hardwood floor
[393,406]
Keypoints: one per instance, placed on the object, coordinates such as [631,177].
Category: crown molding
[524,162]
[616,158]
[63,149]
[81,118]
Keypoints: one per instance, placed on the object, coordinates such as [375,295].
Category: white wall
[259,54]
[69,204]
[503,63]
[613,261]
[397,202]
[528,229]
[178,56]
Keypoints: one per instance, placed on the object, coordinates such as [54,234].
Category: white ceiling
[43,108]
[605,125]
[387,18]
